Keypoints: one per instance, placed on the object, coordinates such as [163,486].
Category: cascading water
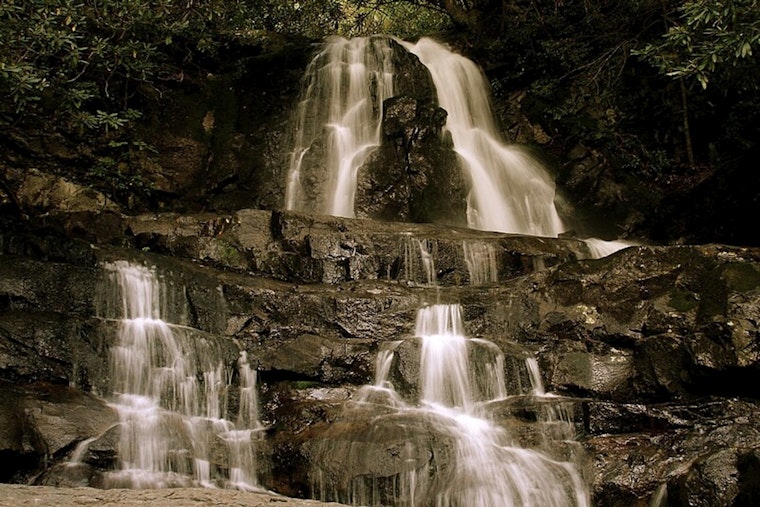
[510,191]
[444,447]
[346,85]
[481,260]
[418,260]
[170,388]
[338,125]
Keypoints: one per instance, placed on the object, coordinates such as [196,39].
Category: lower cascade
[440,426]
[171,384]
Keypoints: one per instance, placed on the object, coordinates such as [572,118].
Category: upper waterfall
[509,190]
[339,122]
[345,86]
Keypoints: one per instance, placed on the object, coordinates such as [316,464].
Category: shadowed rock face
[658,345]
[414,176]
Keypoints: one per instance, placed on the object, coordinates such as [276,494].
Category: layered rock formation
[655,349]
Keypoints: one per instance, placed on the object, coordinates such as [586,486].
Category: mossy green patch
[682,300]
[230,255]
[741,277]
[305,384]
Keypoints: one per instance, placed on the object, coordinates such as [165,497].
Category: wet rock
[664,310]
[35,346]
[44,423]
[60,417]
[378,448]
[690,450]
[628,469]
[329,360]
[405,370]
[39,286]
[605,376]
[711,480]
[305,248]
[69,475]
[414,176]
[542,422]
[297,412]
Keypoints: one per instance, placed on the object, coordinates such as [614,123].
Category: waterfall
[599,248]
[481,259]
[510,191]
[446,448]
[345,86]
[170,387]
[444,372]
[419,262]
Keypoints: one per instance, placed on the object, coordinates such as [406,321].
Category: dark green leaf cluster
[80,63]
[77,63]
[709,37]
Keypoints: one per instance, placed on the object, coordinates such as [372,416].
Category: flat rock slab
[13,495]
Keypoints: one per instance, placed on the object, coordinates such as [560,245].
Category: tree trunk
[686,126]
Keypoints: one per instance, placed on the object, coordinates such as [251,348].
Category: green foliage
[82,63]
[405,19]
[113,174]
[79,63]
[305,384]
[709,37]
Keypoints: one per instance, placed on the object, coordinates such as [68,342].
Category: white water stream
[338,125]
[485,466]
[510,191]
[346,85]
[170,388]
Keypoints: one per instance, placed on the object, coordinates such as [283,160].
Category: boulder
[46,192]
[43,423]
[414,176]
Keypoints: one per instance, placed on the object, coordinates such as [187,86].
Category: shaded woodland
[648,105]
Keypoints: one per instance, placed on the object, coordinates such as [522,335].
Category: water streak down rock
[408,172]
[658,344]
[170,385]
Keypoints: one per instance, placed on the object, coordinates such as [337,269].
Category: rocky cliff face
[655,348]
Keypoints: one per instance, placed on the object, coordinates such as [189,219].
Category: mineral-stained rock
[601,375]
[711,480]
[48,192]
[332,360]
[692,451]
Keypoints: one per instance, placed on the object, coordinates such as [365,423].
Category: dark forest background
[647,112]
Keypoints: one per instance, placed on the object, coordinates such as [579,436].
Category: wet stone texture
[654,350]
[414,176]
